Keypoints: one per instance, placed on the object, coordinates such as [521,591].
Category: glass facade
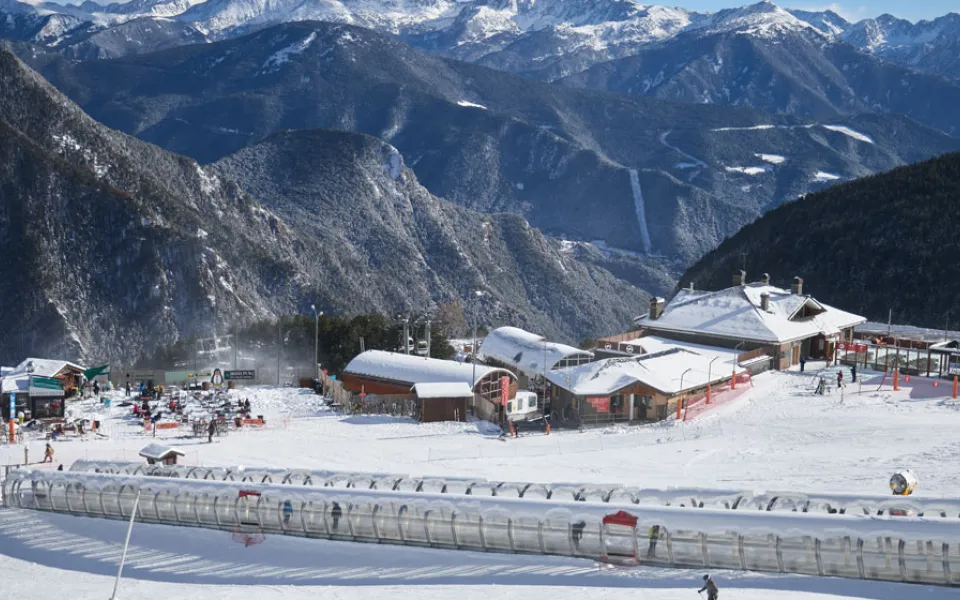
[918,550]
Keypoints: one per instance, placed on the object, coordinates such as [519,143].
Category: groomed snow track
[912,550]
[773,501]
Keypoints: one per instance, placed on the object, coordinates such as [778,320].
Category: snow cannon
[903,483]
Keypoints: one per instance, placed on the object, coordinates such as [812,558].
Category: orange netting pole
[896,380]
[954,387]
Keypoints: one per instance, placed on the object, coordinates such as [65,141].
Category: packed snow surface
[850,133]
[780,436]
[773,159]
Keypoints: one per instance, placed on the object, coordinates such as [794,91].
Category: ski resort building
[752,317]
[39,387]
[392,373]
[528,355]
[641,388]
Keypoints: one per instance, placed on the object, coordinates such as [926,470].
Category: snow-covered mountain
[547,39]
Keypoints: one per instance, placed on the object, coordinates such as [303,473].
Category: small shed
[157,453]
[447,401]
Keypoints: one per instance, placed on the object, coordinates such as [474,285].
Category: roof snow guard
[410,370]
[737,313]
[525,351]
[669,372]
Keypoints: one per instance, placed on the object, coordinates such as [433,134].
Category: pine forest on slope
[886,242]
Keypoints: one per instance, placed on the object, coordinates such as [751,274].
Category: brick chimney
[656,308]
[765,280]
[740,278]
[797,288]
[765,302]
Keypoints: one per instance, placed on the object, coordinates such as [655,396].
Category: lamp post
[126,545]
[710,377]
[316,337]
[680,399]
[473,348]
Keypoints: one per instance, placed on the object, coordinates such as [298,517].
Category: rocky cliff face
[386,244]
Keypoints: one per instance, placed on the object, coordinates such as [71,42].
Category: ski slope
[779,436]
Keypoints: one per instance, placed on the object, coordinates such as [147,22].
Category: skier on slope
[711,587]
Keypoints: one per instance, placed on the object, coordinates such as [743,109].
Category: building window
[616,404]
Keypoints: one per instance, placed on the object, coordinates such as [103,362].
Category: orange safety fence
[720,395]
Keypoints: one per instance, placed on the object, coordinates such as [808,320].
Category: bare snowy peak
[763,19]
[827,22]
[889,32]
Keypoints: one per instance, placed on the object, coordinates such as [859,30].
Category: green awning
[91,373]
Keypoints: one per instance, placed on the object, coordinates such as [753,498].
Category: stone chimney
[797,288]
[740,278]
[765,302]
[765,280]
[656,308]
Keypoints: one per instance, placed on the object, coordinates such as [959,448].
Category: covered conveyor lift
[912,550]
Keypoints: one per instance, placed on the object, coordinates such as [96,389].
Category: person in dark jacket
[211,429]
[803,362]
[576,533]
[711,587]
[336,513]
[853,373]
[839,379]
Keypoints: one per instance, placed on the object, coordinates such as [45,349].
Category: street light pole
[316,338]
[710,377]
[680,399]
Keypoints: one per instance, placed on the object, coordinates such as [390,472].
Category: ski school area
[751,434]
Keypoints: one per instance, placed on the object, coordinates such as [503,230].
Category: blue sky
[853,10]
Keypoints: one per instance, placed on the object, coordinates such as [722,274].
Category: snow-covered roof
[159,451]
[45,367]
[526,351]
[653,344]
[18,384]
[736,313]
[410,369]
[456,389]
[669,372]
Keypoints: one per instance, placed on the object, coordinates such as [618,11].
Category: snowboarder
[336,514]
[48,453]
[853,373]
[577,533]
[803,362]
[711,587]
[287,511]
[821,384]
[128,389]
[840,379]
[96,388]
[211,429]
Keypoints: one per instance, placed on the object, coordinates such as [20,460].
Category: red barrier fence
[720,395]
